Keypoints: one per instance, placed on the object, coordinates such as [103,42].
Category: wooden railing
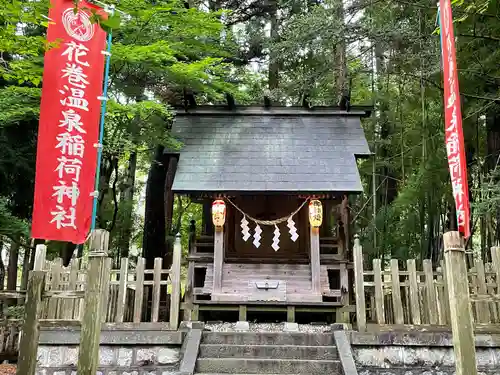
[131,294]
[9,338]
[414,294]
[91,295]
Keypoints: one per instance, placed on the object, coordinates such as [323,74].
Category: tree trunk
[206,222]
[107,169]
[388,189]
[153,242]
[492,160]
[169,208]
[451,224]
[2,279]
[492,137]
[66,253]
[126,205]
[340,55]
[169,195]
[29,262]
[12,267]
[273,60]
[26,267]
[214,5]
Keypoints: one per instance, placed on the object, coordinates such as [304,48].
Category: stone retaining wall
[122,352]
[113,360]
[419,354]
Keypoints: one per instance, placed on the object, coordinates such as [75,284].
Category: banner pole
[104,100]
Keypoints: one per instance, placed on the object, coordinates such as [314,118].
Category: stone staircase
[268,353]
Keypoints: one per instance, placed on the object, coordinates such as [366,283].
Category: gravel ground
[267,327]
[7,369]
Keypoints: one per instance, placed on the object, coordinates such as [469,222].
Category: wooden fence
[91,295]
[9,339]
[131,294]
[414,294]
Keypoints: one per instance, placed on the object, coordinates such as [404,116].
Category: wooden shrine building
[276,181]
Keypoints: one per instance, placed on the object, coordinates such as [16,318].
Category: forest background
[380,52]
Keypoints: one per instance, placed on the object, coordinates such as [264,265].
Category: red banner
[69,124]
[453,121]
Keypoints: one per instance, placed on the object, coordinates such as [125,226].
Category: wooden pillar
[343,317]
[495,260]
[175,274]
[169,194]
[39,258]
[192,237]
[359,285]
[242,313]
[88,358]
[122,291]
[290,314]
[189,293]
[218,262]
[460,306]
[207,227]
[315,262]
[30,334]
[345,215]
[106,279]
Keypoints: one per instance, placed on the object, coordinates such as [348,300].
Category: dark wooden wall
[267,208]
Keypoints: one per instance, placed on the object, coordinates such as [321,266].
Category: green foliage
[10,226]
[14,312]
[137,126]
[165,47]
[184,212]
[16,15]
[18,104]
[392,56]
[158,49]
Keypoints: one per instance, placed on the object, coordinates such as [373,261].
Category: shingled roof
[269,150]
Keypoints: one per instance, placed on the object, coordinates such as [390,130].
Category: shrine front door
[267,208]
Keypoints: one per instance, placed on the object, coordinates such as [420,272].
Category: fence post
[88,358]
[175,276]
[40,254]
[31,330]
[460,307]
[359,285]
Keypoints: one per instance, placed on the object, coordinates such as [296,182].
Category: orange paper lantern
[219,213]
[315,213]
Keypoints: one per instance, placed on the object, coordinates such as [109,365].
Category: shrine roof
[280,149]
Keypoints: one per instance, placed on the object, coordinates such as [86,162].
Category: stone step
[268,351]
[268,338]
[267,366]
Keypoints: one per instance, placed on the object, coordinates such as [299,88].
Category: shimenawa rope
[269,222]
